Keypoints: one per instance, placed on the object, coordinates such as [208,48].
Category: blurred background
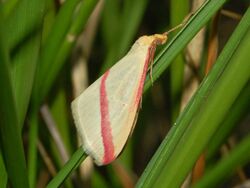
[58,48]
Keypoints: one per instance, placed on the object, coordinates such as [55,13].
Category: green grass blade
[177,44]
[168,145]
[52,44]
[32,151]
[225,168]
[23,20]
[8,7]
[162,61]
[131,18]
[80,21]
[215,105]
[120,35]
[238,110]
[58,45]
[23,71]
[27,16]
[72,164]
[110,23]
[11,142]
[177,67]
[3,173]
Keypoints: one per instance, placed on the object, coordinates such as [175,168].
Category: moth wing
[121,86]
[86,114]
[122,96]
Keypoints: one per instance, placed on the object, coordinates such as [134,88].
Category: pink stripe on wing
[106,131]
[149,57]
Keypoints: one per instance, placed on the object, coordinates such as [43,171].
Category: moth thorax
[156,39]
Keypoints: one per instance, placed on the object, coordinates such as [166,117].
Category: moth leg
[151,61]
[133,126]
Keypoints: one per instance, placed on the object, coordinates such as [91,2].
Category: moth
[106,112]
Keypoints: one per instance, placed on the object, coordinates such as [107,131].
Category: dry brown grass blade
[51,125]
[231,14]
[47,159]
[80,70]
[125,177]
[213,44]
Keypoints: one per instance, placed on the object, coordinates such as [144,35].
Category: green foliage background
[38,42]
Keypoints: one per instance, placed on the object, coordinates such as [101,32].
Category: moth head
[160,38]
[156,39]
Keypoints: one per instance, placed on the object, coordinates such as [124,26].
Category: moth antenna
[180,25]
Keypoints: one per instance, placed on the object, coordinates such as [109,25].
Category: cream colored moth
[105,113]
